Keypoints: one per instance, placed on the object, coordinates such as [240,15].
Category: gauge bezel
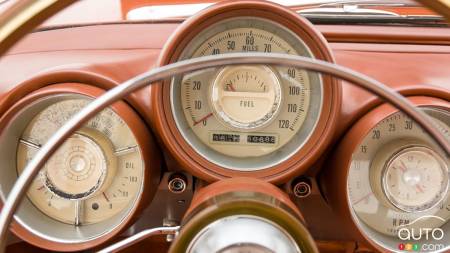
[335,179]
[150,158]
[164,121]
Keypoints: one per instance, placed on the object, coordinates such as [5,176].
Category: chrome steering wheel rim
[162,73]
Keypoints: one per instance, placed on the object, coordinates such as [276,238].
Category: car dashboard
[352,168]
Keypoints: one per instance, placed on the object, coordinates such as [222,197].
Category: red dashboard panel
[411,60]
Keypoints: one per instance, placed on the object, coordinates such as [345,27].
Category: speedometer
[247,110]
[269,121]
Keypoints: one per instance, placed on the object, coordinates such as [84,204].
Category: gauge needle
[125,150]
[78,212]
[230,87]
[403,167]
[202,119]
[419,188]
[30,144]
[363,198]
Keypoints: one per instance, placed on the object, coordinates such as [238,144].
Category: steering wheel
[22,16]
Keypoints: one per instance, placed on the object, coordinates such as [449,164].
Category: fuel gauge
[246,97]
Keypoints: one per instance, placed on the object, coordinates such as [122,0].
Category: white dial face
[246,97]
[96,174]
[416,179]
[246,111]
[399,178]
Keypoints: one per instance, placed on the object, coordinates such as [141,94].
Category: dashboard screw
[302,189]
[177,183]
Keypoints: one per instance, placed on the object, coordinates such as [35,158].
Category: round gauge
[398,178]
[94,175]
[398,175]
[246,111]
[240,119]
[245,97]
[415,179]
[92,186]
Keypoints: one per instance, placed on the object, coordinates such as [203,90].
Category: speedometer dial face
[399,178]
[96,174]
[246,117]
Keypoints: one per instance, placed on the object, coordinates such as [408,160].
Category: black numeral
[292,107]
[364,149]
[197,85]
[283,123]
[376,134]
[294,90]
[291,73]
[408,124]
[250,40]
[198,105]
[267,48]
[392,127]
[216,51]
[231,45]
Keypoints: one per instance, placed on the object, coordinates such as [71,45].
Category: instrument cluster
[386,179]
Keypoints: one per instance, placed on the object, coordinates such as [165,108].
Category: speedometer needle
[202,119]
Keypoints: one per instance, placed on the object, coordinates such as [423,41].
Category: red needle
[363,198]
[403,167]
[230,87]
[202,119]
[419,188]
[40,188]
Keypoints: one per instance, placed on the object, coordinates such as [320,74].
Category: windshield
[403,12]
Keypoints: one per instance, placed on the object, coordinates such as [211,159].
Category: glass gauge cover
[96,174]
[399,178]
[415,179]
[261,113]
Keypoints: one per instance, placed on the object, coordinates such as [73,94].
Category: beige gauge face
[415,179]
[399,178]
[96,174]
[246,111]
